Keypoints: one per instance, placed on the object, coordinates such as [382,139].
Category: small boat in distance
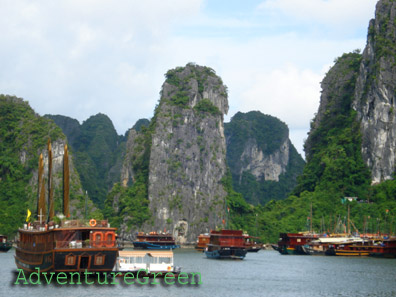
[226,244]
[358,249]
[5,245]
[155,241]
[293,243]
[251,245]
[157,263]
[202,242]
[385,248]
[320,246]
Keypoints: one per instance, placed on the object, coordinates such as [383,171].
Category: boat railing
[35,247]
[78,244]
[84,223]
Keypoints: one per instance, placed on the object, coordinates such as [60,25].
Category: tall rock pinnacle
[188,153]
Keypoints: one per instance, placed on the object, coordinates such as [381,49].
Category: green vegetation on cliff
[98,152]
[334,169]
[333,148]
[268,133]
[200,74]
[23,135]
[129,205]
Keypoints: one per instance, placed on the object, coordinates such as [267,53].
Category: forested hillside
[23,136]
[98,152]
[335,168]
[263,162]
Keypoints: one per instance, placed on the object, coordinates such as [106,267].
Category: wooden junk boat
[202,242]
[251,245]
[321,245]
[155,241]
[385,248]
[5,245]
[226,244]
[380,246]
[71,246]
[293,243]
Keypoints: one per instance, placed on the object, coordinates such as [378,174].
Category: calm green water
[266,273]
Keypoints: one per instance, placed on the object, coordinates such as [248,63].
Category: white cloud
[78,58]
[338,13]
[289,93]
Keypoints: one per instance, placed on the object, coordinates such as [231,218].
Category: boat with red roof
[226,244]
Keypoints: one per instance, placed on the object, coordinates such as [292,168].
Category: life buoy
[169,268]
[92,222]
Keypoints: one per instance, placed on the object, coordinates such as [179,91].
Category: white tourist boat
[150,261]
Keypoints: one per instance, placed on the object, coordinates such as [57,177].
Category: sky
[82,57]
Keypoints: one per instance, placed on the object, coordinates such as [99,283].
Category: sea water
[266,273]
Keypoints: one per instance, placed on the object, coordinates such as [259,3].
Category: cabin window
[148,259]
[99,260]
[70,260]
[165,260]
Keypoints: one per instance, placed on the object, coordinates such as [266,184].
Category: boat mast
[310,223]
[41,209]
[66,183]
[50,189]
[349,222]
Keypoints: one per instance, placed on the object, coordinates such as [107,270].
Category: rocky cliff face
[376,91]
[98,152]
[257,143]
[336,99]
[263,162]
[188,153]
[369,87]
[267,167]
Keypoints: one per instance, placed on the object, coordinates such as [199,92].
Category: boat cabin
[153,261]
[202,242]
[231,238]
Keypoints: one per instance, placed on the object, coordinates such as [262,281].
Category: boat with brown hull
[202,242]
[355,249]
[73,246]
[293,243]
[68,246]
[374,247]
[155,241]
[226,244]
[251,244]
[319,246]
[384,248]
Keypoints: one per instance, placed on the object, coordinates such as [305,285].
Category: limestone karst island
[185,189]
